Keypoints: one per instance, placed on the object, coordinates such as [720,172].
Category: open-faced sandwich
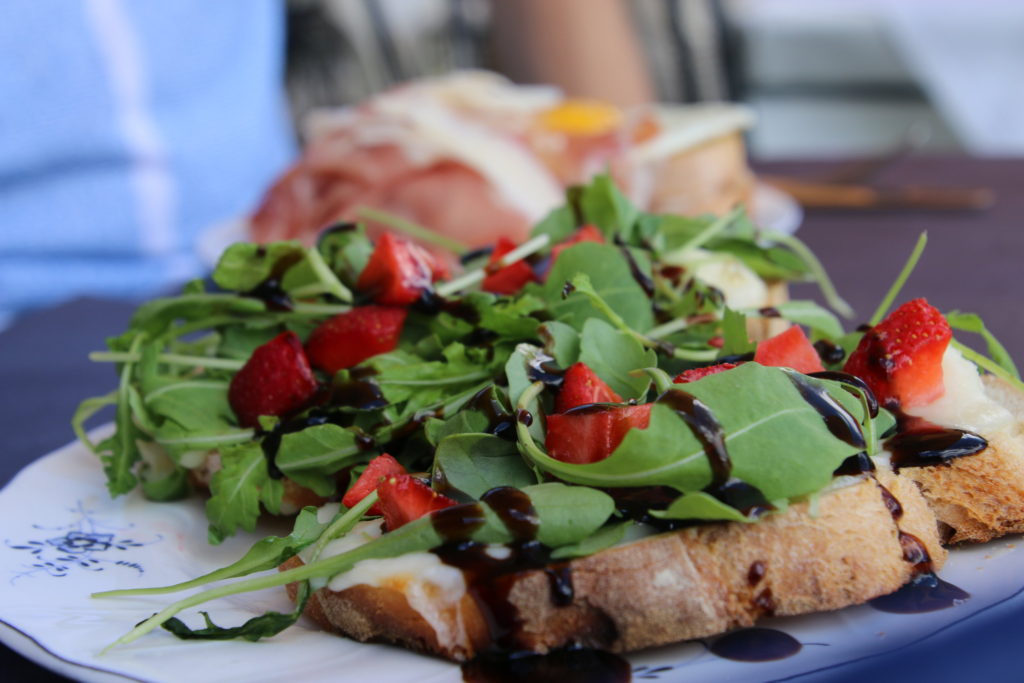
[583,443]
[474,157]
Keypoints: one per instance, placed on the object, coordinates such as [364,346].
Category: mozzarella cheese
[965,405]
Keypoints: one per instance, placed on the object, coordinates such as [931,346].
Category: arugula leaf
[235,491]
[463,422]
[611,278]
[735,340]
[477,463]
[607,208]
[558,225]
[613,355]
[758,433]
[602,539]
[262,626]
[701,505]
[561,342]
[311,456]
[244,265]
[87,409]
[810,314]
[972,322]
[120,452]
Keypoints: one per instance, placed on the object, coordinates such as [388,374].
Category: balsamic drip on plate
[925,592]
[755,645]
[575,665]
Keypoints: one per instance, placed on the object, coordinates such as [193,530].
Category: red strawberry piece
[901,357]
[789,349]
[276,380]
[700,373]
[587,233]
[351,337]
[397,273]
[580,386]
[379,469]
[511,278]
[591,434]
[404,498]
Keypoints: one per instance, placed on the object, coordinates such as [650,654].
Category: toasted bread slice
[674,586]
[981,497]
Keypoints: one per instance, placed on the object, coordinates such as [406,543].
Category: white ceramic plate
[62,538]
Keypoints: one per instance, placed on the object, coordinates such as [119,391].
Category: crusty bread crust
[676,586]
[981,497]
[712,177]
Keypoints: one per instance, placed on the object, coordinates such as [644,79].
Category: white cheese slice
[965,405]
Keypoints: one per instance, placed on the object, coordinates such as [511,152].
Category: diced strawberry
[700,373]
[351,337]
[591,435]
[511,278]
[789,349]
[587,233]
[398,272]
[901,357]
[404,498]
[379,469]
[581,385]
[276,380]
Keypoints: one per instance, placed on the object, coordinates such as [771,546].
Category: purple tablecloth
[971,264]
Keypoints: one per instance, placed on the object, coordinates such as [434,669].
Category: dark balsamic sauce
[524,417]
[756,573]
[673,274]
[636,503]
[560,582]
[705,426]
[575,665]
[567,289]
[490,576]
[858,463]
[272,294]
[770,312]
[359,391]
[642,278]
[829,353]
[853,385]
[925,593]
[738,494]
[756,645]
[542,368]
[838,419]
[919,443]
[499,421]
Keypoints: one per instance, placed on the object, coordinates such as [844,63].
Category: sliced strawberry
[901,357]
[276,380]
[511,278]
[700,373]
[349,338]
[397,273]
[404,498]
[581,385]
[379,469]
[789,349]
[587,233]
[589,435]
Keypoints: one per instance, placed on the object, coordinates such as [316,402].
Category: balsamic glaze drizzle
[919,443]
[838,419]
[755,645]
[745,497]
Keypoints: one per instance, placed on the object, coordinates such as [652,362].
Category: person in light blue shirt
[127,129]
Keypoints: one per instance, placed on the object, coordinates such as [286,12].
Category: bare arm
[587,47]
